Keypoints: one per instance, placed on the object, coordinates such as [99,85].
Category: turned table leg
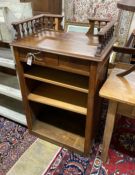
[110,120]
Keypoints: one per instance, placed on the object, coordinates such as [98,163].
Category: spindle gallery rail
[37,24]
[96,23]
[105,35]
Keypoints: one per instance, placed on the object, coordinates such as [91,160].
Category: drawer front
[48,59]
[74,63]
[40,58]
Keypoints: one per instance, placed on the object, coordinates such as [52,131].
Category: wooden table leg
[112,109]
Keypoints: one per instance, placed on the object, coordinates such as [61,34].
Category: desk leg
[89,129]
[112,109]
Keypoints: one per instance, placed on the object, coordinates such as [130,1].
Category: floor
[38,158]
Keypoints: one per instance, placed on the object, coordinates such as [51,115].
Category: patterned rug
[69,163]
[120,161]
[124,136]
[14,141]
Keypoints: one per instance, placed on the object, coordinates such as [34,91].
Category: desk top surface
[63,43]
[119,89]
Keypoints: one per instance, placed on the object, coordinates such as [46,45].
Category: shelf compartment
[6,58]
[59,78]
[12,109]
[60,127]
[9,86]
[60,97]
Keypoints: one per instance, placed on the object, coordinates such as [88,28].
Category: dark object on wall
[46,6]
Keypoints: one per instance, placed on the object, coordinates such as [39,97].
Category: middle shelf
[57,77]
[59,97]
[9,86]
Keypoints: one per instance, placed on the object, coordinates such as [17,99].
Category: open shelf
[6,58]
[59,78]
[12,109]
[9,86]
[60,127]
[60,97]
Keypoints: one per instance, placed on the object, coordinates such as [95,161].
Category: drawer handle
[33,56]
[38,59]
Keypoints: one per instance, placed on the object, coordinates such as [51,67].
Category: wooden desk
[121,94]
[60,88]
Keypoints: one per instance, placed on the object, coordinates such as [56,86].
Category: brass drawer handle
[33,57]
[38,59]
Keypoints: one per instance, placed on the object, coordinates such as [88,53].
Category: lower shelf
[12,109]
[61,127]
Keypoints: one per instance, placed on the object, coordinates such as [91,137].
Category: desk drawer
[48,59]
[74,63]
[41,58]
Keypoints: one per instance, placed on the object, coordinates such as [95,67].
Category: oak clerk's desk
[60,87]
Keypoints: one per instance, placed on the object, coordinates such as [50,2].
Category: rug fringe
[53,159]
